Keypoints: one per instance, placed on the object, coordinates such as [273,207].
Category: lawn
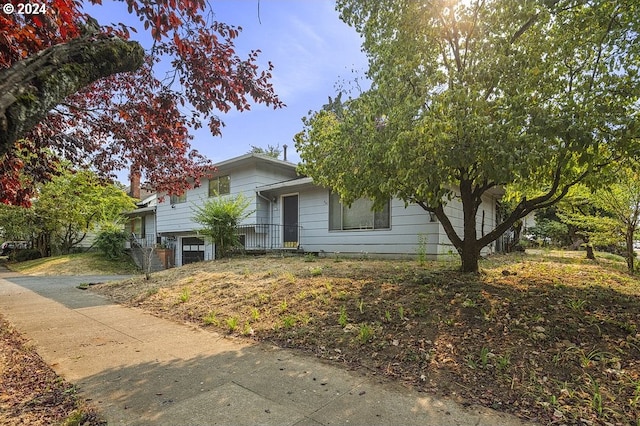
[548,336]
[91,263]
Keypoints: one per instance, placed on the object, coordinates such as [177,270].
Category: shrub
[111,242]
[220,217]
[24,255]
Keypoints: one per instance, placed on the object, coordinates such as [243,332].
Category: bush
[220,218]
[111,243]
[24,255]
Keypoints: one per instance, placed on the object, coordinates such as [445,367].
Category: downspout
[270,205]
[270,225]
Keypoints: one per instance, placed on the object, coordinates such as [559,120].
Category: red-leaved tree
[72,89]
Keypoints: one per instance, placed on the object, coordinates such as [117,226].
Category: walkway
[139,369]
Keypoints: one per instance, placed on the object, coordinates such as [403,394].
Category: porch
[269,236]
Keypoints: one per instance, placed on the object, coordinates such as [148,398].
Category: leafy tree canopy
[469,97]
[95,98]
[66,209]
[270,150]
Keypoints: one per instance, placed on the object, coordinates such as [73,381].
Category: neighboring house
[290,212]
[141,227]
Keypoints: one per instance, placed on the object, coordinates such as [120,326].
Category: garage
[192,250]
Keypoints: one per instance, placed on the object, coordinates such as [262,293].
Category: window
[177,199]
[219,186]
[359,216]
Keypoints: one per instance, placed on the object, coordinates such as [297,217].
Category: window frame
[216,192]
[178,199]
[333,223]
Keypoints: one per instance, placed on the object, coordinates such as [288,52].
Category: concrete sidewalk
[139,369]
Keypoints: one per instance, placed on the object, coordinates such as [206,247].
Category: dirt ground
[549,337]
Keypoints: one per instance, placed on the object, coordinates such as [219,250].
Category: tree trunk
[630,249]
[470,257]
[590,254]
[31,88]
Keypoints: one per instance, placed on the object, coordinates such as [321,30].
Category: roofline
[138,212]
[261,157]
[303,181]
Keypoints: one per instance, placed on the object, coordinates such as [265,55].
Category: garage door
[192,250]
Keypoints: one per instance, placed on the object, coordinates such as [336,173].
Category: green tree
[610,215]
[220,217]
[466,99]
[270,150]
[73,204]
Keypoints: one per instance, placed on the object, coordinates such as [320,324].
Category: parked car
[9,247]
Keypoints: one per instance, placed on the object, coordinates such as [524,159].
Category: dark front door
[290,221]
[192,250]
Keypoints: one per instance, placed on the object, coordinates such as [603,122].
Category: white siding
[245,179]
[411,230]
[408,226]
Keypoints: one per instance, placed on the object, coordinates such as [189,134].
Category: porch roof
[288,185]
[141,211]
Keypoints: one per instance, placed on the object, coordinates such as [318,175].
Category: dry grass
[549,336]
[75,264]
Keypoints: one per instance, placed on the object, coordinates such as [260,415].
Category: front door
[290,220]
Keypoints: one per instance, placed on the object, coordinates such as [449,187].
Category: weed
[247,330]
[422,249]
[289,321]
[342,295]
[503,362]
[211,319]
[185,295]
[289,277]
[365,333]
[255,314]
[83,286]
[232,324]
[309,257]
[401,313]
[329,286]
[577,305]
[588,359]
[484,356]
[306,319]
[343,319]
[315,272]
[152,291]
[596,396]
[468,303]
[387,315]
[361,306]
[471,362]
[263,298]
[283,306]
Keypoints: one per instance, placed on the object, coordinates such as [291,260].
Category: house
[291,213]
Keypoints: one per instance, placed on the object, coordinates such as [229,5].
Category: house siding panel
[410,232]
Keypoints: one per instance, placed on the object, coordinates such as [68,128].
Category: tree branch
[31,88]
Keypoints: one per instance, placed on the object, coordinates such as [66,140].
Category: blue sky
[312,51]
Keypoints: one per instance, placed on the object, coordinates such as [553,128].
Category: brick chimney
[134,189]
